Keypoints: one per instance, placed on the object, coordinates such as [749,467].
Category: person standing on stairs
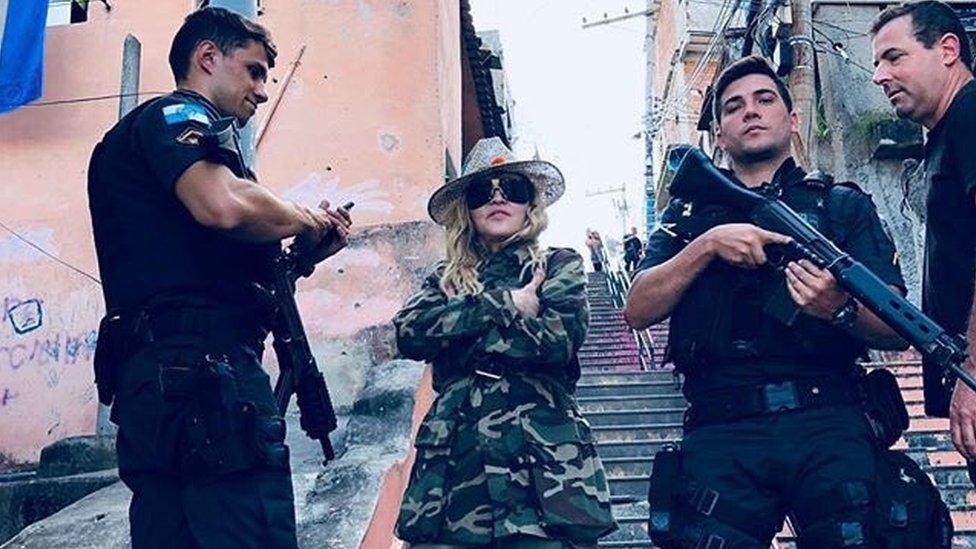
[924,64]
[504,457]
[632,249]
[775,425]
[595,245]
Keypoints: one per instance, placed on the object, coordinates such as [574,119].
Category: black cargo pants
[743,478]
[201,446]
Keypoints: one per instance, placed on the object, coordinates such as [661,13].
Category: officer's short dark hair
[223,27]
[931,20]
[752,64]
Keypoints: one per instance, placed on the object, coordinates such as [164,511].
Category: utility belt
[122,335]
[877,393]
[735,403]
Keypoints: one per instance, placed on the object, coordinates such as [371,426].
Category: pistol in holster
[662,495]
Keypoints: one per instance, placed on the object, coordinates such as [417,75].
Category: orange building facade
[372,114]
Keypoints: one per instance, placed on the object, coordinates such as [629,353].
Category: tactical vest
[729,313]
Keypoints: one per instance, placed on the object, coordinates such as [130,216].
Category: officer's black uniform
[950,232]
[632,251]
[774,425]
[200,442]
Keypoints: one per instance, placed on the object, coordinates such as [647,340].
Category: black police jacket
[736,327]
[147,242]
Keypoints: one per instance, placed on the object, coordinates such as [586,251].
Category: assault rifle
[697,179]
[299,374]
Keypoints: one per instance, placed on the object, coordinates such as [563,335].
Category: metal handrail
[618,283]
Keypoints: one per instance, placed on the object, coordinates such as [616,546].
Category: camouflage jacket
[510,453]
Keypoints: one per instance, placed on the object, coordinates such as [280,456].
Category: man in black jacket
[774,425]
[184,237]
[924,63]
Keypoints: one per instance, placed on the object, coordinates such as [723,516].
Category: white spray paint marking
[367,194]
[14,250]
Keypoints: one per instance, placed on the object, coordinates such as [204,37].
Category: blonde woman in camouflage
[504,457]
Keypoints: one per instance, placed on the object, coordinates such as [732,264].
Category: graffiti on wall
[47,344]
[25,316]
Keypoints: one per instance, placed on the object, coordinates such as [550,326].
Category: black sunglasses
[514,187]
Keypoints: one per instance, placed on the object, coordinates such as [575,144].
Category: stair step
[599,364]
[630,402]
[914,382]
[638,432]
[625,500]
[624,389]
[610,341]
[624,418]
[623,377]
[628,466]
[628,366]
[609,352]
[612,325]
[635,485]
[632,448]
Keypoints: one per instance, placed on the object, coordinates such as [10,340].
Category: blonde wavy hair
[461,273]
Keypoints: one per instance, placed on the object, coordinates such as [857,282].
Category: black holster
[109,354]
[910,513]
[884,407]
[662,495]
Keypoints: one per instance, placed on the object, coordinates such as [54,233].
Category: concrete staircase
[634,406]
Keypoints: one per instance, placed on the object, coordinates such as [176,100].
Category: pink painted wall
[367,117]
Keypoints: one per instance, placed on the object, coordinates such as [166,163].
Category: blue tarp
[21,51]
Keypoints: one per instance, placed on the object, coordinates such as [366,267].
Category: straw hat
[491,155]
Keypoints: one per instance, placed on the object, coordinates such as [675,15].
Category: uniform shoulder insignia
[190,136]
[819,179]
[178,113]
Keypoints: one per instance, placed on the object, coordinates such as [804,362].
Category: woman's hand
[526,298]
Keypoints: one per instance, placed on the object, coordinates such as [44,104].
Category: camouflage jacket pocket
[421,511]
[569,480]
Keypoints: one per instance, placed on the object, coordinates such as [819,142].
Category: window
[65,12]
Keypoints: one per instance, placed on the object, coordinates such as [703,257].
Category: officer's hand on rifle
[962,417]
[319,224]
[333,239]
[741,244]
[526,298]
[815,290]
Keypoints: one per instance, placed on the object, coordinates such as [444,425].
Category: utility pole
[128,100]
[802,79]
[650,115]
[607,19]
[623,210]
[248,9]
[650,104]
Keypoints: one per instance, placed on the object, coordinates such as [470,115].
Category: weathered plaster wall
[856,115]
[367,117]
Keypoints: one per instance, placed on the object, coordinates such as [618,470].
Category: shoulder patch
[185,112]
[190,136]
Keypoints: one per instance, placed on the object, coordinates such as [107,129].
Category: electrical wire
[92,98]
[49,254]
